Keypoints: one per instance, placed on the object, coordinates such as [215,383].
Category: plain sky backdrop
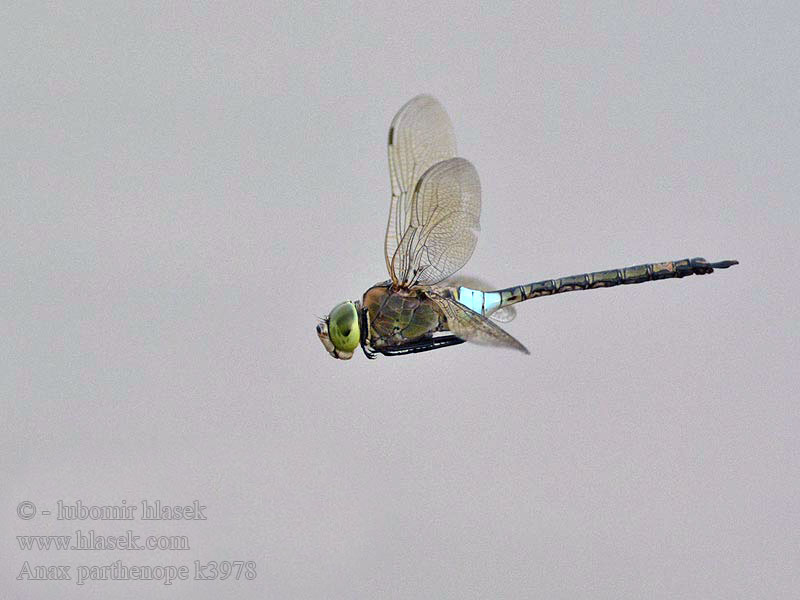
[184,189]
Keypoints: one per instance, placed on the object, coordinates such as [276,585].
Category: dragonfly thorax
[399,316]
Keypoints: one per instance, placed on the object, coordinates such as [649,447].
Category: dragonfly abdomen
[610,278]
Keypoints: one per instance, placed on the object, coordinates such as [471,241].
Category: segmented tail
[600,279]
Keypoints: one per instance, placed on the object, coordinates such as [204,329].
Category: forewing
[473,327]
[420,136]
[443,225]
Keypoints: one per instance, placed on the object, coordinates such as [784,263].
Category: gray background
[184,189]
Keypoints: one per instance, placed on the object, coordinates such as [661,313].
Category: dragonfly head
[340,332]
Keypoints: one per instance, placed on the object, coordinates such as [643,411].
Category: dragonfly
[434,220]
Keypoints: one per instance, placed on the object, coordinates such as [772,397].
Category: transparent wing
[473,327]
[420,136]
[443,224]
[501,315]
[504,315]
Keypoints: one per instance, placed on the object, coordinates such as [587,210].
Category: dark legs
[422,345]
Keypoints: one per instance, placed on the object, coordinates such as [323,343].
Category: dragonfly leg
[423,345]
[364,323]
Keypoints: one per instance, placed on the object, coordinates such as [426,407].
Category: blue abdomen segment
[483,303]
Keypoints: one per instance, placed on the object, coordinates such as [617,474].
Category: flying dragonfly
[434,219]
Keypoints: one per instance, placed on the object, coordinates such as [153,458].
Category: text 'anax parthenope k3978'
[434,219]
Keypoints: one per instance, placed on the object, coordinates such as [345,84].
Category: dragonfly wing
[420,136]
[504,315]
[474,327]
[443,225]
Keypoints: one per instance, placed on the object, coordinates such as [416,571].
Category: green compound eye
[343,327]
